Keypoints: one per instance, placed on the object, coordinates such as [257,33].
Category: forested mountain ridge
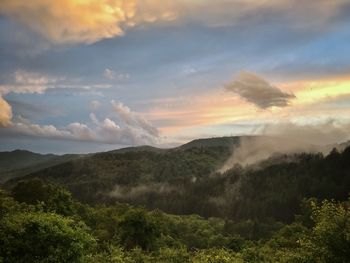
[89,176]
[184,180]
[18,163]
[40,222]
[288,208]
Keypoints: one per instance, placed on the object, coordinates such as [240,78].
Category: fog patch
[128,192]
[288,138]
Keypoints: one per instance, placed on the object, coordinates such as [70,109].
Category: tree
[329,240]
[52,197]
[137,228]
[172,255]
[43,237]
[216,255]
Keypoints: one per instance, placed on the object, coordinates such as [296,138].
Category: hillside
[184,180]
[19,163]
[214,142]
[92,177]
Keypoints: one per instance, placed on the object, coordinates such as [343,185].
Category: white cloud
[288,138]
[28,82]
[258,91]
[33,82]
[133,131]
[133,119]
[5,113]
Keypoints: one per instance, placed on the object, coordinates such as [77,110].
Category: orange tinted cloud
[88,21]
[5,113]
[82,21]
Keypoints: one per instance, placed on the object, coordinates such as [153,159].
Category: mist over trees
[160,206]
[187,182]
[123,233]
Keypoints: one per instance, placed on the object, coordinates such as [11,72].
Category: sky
[80,76]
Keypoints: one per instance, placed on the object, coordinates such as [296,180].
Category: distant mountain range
[19,163]
[90,175]
[185,179]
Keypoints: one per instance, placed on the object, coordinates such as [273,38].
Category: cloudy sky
[93,75]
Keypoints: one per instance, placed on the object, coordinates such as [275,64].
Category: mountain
[19,163]
[185,180]
[261,213]
[92,177]
[214,142]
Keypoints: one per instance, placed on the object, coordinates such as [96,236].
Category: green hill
[19,163]
[91,178]
[213,142]
[184,180]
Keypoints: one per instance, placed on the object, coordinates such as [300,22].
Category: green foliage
[8,204]
[183,181]
[53,198]
[329,240]
[111,255]
[40,222]
[216,256]
[19,163]
[122,233]
[277,190]
[87,177]
[137,229]
[43,237]
[173,255]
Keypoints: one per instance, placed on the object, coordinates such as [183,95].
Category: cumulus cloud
[74,21]
[133,119]
[5,113]
[110,132]
[258,91]
[105,131]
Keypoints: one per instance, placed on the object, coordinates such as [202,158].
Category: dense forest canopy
[186,180]
[151,205]
[53,227]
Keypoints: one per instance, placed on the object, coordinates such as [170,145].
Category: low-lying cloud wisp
[129,192]
[288,138]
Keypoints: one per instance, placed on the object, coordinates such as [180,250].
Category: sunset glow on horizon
[85,76]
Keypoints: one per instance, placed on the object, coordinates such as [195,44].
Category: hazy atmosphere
[174,131]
